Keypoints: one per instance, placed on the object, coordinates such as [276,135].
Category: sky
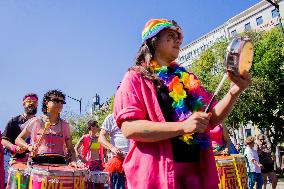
[84,47]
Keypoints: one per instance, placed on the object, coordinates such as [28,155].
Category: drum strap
[237,173]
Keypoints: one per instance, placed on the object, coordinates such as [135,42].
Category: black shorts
[267,167]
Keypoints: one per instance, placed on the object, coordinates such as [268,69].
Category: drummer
[51,141]
[221,141]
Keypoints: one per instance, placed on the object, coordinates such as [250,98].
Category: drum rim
[230,52]
[64,172]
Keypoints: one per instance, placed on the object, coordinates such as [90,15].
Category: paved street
[280,185]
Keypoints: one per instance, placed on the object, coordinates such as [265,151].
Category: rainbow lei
[184,89]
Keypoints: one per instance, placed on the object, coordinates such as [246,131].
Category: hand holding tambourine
[238,62]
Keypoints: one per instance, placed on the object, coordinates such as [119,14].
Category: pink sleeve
[128,102]
[207,97]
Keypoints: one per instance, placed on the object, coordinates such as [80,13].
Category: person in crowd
[221,141]
[254,167]
[160,107]
[238,147]
[88,149]
[51,140]
[267,160]
[118,146]
[282,163]
[15,126]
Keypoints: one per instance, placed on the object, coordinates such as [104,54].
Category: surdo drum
[18,176]
[57,177]
[232,172]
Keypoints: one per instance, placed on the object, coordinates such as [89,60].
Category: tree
[263,102]
[78,123]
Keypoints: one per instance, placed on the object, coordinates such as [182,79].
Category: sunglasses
[261,139]
[94,126]
[30,101]
[56,100]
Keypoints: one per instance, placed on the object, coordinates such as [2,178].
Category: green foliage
[78,123]
[262,103]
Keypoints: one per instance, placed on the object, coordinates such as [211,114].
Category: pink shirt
[90,151]
[216,135]
[54,138]
[150,165]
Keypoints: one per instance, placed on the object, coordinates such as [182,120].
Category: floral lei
[184,89]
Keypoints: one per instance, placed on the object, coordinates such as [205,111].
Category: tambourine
[238,60]
[239,55]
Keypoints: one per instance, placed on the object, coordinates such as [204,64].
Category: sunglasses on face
[56,100]
[30,101]
[261,139]
[94,126]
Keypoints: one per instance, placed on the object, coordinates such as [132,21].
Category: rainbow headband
[154,26]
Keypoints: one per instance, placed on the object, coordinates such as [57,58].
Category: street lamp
[80,102]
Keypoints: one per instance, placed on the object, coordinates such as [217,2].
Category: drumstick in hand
[215,93]
[46,127]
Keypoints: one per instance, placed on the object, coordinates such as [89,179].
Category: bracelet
[14,148]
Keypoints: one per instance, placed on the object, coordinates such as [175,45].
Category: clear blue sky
[84,47]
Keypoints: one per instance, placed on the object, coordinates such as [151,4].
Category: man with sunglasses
[267,160]
[15,126]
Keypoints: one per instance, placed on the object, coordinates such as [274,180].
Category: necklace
[57,122]
[185,91]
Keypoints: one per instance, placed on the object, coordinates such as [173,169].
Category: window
[274,13]
[247,26]
[259,21]
[234,33]
[248,132]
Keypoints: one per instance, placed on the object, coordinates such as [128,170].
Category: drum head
[246,57]
[239,55]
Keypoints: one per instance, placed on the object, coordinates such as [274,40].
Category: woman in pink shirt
[159,106]
[51,141]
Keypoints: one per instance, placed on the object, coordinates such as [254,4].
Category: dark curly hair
[30,95]
[47,96]
[92,123]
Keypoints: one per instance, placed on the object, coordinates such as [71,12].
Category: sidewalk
[280,185]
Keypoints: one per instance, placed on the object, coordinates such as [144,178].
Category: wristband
[14,148]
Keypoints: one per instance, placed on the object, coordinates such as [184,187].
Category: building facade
[261,16]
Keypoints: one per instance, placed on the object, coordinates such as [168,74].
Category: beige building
[261,16]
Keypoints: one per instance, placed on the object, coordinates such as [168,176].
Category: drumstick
[215,93]
[46,127]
